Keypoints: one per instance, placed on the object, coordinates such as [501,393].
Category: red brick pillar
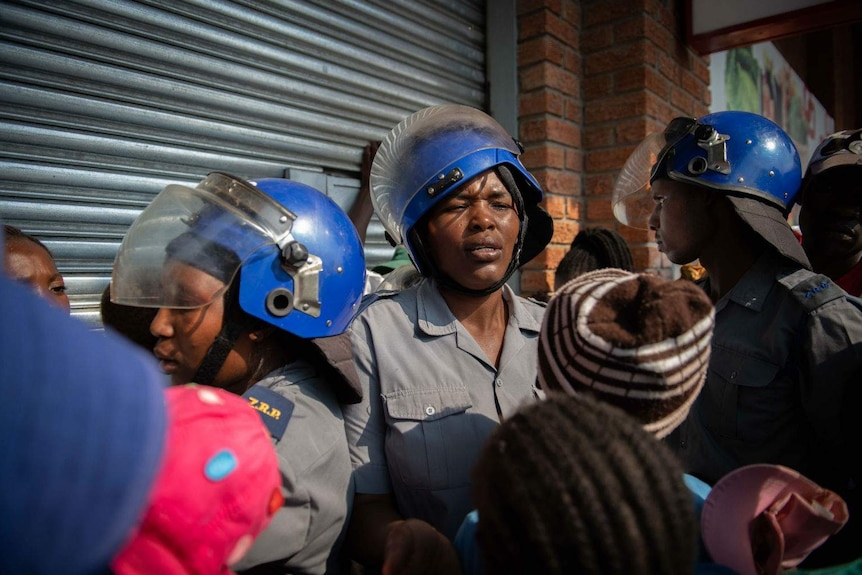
[627,72]
[550,122]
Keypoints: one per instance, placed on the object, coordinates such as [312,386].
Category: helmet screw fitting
[279,302]
[740,179]
[703,133]
[294,253]
[697,165]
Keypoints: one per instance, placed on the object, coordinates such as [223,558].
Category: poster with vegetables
[758,79]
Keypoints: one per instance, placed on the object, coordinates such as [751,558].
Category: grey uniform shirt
[306,533]
[786,350]
[431,398]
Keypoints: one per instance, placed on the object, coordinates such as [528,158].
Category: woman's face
[30,263]
[185,335]
[681,220]
[472,234]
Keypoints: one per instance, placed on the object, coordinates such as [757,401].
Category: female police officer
[787,345]
[443,362]
[246,276]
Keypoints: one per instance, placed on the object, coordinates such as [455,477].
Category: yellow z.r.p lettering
[264,408]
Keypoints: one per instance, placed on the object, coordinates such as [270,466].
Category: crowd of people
[422,417]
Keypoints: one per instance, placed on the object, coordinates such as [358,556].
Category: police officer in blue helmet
[830,216]
[441,362]
[787,346]
[255,283]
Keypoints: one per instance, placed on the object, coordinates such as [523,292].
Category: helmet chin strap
[447,282]
[225,340]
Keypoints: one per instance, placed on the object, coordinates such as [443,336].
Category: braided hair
[593,249]
[571,485]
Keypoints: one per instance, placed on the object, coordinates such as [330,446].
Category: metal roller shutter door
[107,101]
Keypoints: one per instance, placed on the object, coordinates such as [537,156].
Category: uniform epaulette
[336,355]
[369,299]
[274,409]
[810,289]
[541,302]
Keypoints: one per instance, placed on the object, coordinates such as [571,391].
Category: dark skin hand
[413,547]
[361,211]
[378,535]
[369,521]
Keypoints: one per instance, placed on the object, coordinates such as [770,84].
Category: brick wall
[596,77]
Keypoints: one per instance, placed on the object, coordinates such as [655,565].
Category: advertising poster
[758,79]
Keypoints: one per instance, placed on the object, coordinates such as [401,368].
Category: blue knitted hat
[82,432]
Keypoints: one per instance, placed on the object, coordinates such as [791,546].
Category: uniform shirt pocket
[747,397]
[429,436]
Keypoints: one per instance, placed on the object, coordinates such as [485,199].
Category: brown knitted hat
[634,340]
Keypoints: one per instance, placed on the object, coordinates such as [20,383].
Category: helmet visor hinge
[715,145]
[305,269]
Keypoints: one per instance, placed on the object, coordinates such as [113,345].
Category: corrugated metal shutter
[106,101]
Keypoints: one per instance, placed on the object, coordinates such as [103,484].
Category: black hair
[573,485]
[12,233]
[593,249]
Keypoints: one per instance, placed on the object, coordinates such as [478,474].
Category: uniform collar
[434,317]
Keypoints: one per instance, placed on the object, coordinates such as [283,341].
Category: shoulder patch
[274,409]
[810,289]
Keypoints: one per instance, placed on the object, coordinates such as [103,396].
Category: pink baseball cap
[762,519]
[218,488]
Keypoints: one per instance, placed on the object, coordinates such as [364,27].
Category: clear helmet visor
[211,228]
[632,197]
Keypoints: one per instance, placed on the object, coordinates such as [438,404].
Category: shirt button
[733,375]
[499,382]
[429,410]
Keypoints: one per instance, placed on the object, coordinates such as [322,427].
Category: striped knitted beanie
[634,340]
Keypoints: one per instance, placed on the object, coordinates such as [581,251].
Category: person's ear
[261,333]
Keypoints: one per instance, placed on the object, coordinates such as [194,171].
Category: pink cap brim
[794,516]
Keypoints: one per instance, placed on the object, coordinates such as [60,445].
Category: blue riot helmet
[434,152]
[302,262]
[319,273]
[744,156]
[297,257]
